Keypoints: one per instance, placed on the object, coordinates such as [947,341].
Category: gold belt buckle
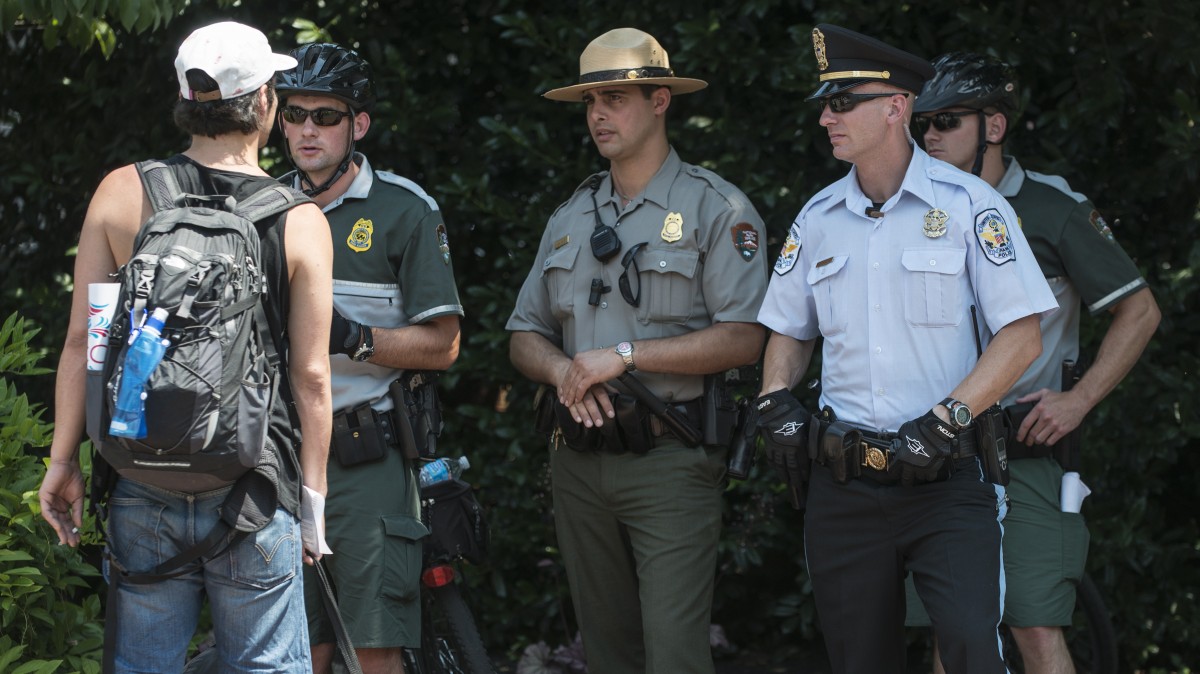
[874,457]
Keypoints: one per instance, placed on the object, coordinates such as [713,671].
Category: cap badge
[935,223]
[672,230]
[359,240]
[819,48]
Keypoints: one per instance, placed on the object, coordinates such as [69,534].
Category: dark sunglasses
[846,102]
[942,121]
[321,116]
[634,299]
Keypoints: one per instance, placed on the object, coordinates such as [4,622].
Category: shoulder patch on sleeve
[400,181]
[992,233]
[1101,226]
[790,253]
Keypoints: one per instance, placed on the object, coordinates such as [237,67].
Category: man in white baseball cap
[227,104]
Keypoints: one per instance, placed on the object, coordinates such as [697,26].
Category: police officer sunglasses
[847,102]
[942,121]
[321,116]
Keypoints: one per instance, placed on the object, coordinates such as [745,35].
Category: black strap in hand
[349,656]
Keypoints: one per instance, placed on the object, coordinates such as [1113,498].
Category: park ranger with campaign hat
[650,270]
[891,265]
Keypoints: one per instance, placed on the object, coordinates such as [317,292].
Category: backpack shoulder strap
[270,201]
[160,183]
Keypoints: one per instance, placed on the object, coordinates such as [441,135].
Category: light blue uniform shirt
[892,297]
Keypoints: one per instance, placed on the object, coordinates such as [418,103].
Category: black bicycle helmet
[325,69]
[973,81]
[963,80]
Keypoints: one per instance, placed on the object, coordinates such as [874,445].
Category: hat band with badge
[624,56]
[846,59]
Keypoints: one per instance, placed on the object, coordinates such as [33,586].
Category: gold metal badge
[819,48]
[672,230]
[935,223]
[562,242]
[359,240]
[875,458]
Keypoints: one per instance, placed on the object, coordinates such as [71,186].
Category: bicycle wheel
[450,641]
[1090,639]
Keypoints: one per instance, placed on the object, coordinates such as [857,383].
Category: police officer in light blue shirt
[893,266]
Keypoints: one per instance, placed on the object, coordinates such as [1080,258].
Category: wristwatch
[960,414]
[625,351]
[366,344]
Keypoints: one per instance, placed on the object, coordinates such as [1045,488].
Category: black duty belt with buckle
[690,409]
[877,450]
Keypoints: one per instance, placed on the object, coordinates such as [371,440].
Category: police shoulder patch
[745,240]
[790,253]
[1101,226]
[992,233]
[443,243]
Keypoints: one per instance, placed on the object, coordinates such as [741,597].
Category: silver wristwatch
[625,351]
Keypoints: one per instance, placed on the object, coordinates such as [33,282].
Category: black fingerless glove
[922,447]
[783,425]
[344,335]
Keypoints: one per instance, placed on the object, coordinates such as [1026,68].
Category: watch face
[624,348]
[961,415]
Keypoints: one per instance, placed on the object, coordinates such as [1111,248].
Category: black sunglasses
[321,116]
[942,121]
[846,102]
[634,299]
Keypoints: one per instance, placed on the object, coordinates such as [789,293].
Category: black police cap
[847,59]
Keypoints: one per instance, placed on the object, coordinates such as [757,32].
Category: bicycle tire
[450,641]
[1091,638]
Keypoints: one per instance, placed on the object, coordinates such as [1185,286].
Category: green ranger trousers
[639,535]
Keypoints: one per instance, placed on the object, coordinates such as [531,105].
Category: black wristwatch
[960,414]
[366,344]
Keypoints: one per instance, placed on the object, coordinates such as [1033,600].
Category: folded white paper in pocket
[1073,492]
[312,521]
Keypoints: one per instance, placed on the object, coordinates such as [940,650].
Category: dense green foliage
[1112,99]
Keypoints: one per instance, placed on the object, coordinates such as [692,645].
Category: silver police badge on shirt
[935,223]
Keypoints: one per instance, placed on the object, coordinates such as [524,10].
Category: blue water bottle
[442,470]
[144,354]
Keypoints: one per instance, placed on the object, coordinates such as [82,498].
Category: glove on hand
[344,335]
[922,447]
[783,423]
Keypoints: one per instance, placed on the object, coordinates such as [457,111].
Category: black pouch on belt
[543,410]
[361,435]
[841,451]
[633,424]
[991,442]
[576,435]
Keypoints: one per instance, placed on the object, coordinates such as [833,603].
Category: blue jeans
[254,588]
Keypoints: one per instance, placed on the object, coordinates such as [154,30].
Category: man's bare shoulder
[120,200]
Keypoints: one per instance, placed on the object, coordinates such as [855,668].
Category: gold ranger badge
[935,223]
[359,240]
[672,230]
[819,48]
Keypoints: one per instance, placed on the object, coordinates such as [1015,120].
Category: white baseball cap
[237,56]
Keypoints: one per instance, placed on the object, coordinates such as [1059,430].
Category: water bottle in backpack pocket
[208,402]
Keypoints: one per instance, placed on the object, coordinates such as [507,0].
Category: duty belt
[690,409]
[877,448]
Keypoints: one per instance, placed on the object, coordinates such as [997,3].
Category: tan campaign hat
[624,56]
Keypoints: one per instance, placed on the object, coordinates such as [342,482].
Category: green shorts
[373,526]
[1045,551]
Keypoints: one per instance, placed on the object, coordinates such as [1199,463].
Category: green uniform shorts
[1045,551]
[373,526]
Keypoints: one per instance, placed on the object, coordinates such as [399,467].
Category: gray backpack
[208,403]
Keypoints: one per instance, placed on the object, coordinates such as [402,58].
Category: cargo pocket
[253,412]
[826,280]
[933,286]
[1075,538]
[402,557]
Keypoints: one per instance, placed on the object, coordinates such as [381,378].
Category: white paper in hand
[312,521]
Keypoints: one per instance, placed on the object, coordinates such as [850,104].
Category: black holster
[632,427]
[720,416]
[743,444]
[418,412]
[991,437]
